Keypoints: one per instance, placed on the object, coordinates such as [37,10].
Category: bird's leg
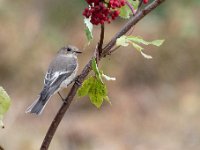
[61,97]
[76,81]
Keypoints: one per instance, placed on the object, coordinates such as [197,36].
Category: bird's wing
[58,71]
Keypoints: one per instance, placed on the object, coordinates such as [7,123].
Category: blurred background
[155,103]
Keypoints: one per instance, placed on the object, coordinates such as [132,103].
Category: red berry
[145,1]
[100,12]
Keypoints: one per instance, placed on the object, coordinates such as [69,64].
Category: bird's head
[69,49]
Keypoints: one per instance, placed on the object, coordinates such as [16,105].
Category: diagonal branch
[135,19]
[105,51]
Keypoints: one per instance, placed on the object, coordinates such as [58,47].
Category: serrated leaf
[142,41]
[96,70]
[157,42]
[4,104]
[126,40]
[88,30]
[108,100]
[95,89]
[83,91]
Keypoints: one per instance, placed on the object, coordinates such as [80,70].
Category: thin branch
[87,69]
[101,39]
[64,107]
[114,49]
[130,24]
[139,6]
[98,49]
[131,7]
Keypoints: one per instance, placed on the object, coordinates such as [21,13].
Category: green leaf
[126,40]
[139,48]
[96,70]
[142,41]
[134,3]
[95,89]
[122,41]
[88,30]
[125,11]
[4,104]
[83,91]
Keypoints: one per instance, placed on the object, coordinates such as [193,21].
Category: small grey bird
[61,72]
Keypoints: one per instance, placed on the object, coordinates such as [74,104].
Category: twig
[1,148]
[101,39]
[87,69]
[131,7]
[98,49]
[139,6]
[130,24]
[114,49]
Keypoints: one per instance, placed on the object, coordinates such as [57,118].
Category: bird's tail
[38,106]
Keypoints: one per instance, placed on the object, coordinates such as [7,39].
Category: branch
[87,69]
[131,7]
[98,50]
[139,6]
[101,40]
[135,19]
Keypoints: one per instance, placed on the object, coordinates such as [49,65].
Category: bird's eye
[69,49]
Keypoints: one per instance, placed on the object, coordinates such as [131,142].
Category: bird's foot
[77,81]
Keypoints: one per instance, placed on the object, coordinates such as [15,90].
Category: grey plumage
[60,74]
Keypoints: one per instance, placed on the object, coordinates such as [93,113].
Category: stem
[98,50]
[135,19]
[87,69]
[101,39]
[139,6]
[131,7]
[114,49]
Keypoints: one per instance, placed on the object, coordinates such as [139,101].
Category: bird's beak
[78,52]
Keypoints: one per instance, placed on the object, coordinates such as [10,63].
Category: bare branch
[106,51]
[98,50]
[139,6]
[114,49]
[131,7]
[101,39]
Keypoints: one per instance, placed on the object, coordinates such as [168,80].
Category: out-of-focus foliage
[4,104]
[155,103]
[88,30]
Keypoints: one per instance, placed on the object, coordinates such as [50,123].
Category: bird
[61,72]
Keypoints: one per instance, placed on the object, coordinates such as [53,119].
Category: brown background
[155,103]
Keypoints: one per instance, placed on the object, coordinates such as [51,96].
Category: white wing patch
[52,77]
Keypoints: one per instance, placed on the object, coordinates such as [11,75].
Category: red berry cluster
[117,3]
[145,1]
[100,11]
